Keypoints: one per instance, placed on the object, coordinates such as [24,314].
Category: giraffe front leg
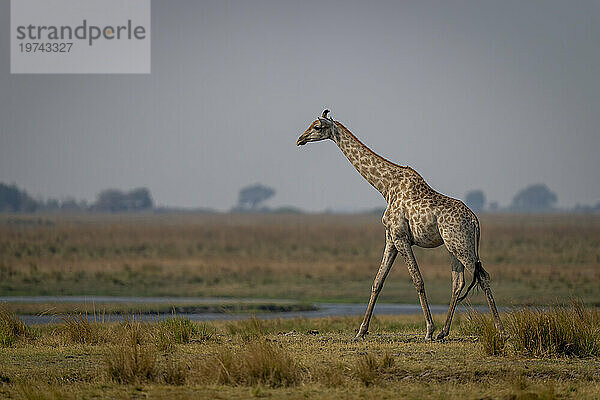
[389,255]
[413,268]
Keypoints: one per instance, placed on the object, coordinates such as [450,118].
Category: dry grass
[132,363]
[285,361]
[259,363]
[77,328]
[247,329]
[370,370]
[146,352]
[180,330]
[11,328]
[132,359]
[492,341]
[43,392]
[549,353]
[571,331]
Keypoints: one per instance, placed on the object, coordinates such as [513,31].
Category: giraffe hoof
[440,336]
[428,338]
[359,337]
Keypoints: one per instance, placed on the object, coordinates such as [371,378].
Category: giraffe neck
[375,169]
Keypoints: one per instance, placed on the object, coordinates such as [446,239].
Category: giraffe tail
[479,274]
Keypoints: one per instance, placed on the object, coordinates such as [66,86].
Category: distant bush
[13,199]
[113,200]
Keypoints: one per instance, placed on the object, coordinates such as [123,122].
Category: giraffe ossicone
[416,215]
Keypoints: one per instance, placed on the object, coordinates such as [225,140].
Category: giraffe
[416,215]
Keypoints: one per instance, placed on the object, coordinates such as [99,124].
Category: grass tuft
[248,329]
[135,358]
[370,370]
[492,341]
[78,329]
[11,328]
[367,370]
[180,330]
[131,360]
[571,331]
[260,363]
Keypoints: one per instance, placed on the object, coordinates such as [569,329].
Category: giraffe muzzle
[301,141]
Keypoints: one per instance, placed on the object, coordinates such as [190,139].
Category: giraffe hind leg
[484,284]
[458,283]
[482,278]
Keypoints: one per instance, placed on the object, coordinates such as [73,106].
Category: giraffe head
[321,129]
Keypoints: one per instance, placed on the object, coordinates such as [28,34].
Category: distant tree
[51,205]
[252,196]
[139,199]
[14,200]
[475,200]
[536,197]
[113,200]
[494,206]
[586,209]
[10,198]
[72,205]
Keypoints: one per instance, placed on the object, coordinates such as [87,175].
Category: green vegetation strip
[156,308]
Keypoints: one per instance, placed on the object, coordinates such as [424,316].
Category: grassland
[549,353]
[532,259]
[287,359]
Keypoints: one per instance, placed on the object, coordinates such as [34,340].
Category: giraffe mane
[406,167]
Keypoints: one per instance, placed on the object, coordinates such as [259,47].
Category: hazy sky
[472,94]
